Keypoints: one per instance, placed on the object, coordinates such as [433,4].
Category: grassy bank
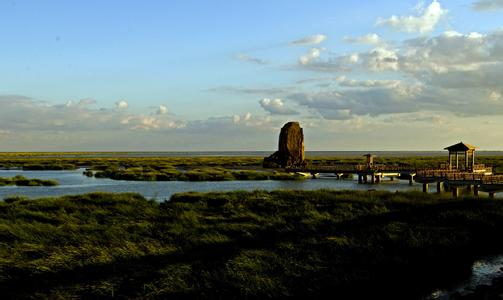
[199,174]
[99,163]
[242,244]
[23,181]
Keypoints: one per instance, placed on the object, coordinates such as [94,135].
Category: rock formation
[290,149]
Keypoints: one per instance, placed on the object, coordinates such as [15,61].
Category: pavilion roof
[461,147]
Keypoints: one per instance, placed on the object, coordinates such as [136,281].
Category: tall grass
[308,244]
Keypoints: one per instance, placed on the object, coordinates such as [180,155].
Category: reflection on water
[73,182]
[483,272]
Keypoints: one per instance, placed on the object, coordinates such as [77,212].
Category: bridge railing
[492,179]
[461,176]
[352,168]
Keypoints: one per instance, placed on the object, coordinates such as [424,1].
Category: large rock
[290,149]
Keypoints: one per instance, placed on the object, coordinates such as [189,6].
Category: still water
[483,272]
[73,182]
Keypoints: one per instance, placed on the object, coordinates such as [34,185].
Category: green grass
[23,181]
[335,244]
[196,174]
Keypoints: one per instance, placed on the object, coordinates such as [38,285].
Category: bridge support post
[411,179]
[468,188]
[455,192]
[360,178]
[476,190]
[425,188]
[491,195]
[365,178]
[440,187]
[372,178]
[313,175]
[378,179]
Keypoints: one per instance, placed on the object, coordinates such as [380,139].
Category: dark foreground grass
[307,244]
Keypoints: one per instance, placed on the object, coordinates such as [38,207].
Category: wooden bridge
[480,178]
[364,171]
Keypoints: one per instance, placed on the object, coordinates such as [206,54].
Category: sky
[226,75]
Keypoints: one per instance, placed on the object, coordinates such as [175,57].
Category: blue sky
[197,75]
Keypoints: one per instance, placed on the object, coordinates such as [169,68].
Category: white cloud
[488,5]
[369,83]
[310,40]
[81,103]
[162,110]
[380,59]
[423,23]
[251,59]
[153,122]
[252,90]
[365,101]
[450,51]
[311,56]
[230,123]
[369,39]
[25,114]
[276,107]
[121,104]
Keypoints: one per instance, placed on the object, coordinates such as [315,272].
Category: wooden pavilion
[467,154]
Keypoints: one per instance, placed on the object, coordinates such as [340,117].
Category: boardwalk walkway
[481,178]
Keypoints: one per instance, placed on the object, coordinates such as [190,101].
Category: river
[74,182]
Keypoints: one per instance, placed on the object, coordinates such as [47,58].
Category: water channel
[74,182]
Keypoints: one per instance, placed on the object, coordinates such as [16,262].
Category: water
[483,272]
[73,182]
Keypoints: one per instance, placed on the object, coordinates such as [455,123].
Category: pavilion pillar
[473,160]
[360,178]
[450,160]
[457,161]
[425,187]
[467,165]
[440,186]
[373,178]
